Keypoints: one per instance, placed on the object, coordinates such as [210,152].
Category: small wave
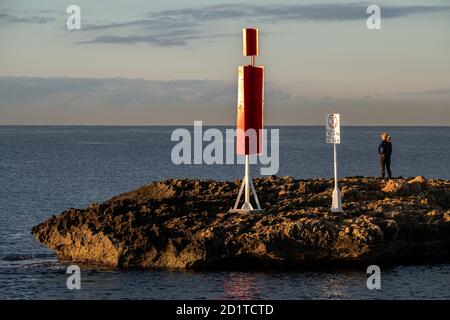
[94,142]
[22,257]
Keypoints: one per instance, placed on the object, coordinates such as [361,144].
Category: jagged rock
[400,187]
[185,223]
[417,185]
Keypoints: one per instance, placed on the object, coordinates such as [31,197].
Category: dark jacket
[385,148]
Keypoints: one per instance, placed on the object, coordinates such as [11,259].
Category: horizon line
[218,125]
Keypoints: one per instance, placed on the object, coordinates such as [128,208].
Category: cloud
[178,27]
[157,22]
[61,92]
[158,40]
[26,100]
[435,92]
[288,12]
[168,39]
[25,19]
[112,93]
[119,100]
[189,17]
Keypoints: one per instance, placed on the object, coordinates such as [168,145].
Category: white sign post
[333,127]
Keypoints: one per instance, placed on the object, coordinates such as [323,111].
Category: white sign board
[333,126]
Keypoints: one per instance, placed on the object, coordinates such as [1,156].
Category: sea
[47,169]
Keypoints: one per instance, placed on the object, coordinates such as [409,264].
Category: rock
[186,223]
[399,187]
[417,185]
[419,179]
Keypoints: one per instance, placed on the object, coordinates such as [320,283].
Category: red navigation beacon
[250,98]
[249,135]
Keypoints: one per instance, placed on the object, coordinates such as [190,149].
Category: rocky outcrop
[186,224]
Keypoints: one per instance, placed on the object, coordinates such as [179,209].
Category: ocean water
[45,170]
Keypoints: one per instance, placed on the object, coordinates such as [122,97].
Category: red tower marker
[250,108]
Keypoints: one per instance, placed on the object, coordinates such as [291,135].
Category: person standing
[385,152]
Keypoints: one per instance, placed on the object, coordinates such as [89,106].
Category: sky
[172,62]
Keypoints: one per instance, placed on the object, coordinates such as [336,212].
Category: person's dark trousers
[385,162]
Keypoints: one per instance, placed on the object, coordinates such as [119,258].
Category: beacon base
[246,184]
[246,211]
[336,204]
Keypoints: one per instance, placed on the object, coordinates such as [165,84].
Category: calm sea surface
[45,170]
